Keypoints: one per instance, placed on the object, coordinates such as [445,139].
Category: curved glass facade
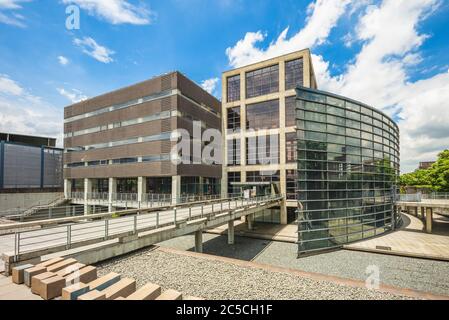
[348,166]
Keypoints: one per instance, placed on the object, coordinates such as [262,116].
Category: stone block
[52,287]
[30,273]
[61,265]
[74,291]
[104,282]
[18,273]
[93,295]
[49,262]
[170,295]
[85,275]
[70,269]
[36,281]
[122,288]
[148,292]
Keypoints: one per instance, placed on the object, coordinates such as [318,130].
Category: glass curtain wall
[348,166]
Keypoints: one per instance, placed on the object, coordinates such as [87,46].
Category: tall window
[233,88]
[290,113]
[234,119]
[291,184]
[290,141]
[262,81]
[262,150]
[263,115]
[232,189]
[233,152]
[294,74]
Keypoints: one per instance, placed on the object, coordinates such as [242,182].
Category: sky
[390,54]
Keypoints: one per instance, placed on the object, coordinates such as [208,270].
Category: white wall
[10,201]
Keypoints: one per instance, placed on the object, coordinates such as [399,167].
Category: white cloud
[22,112]
[13,19]
[93,49]
[379,74]
[9,86]
[210,85]
[72,95]
[323,16]
[116,11]
[63,60]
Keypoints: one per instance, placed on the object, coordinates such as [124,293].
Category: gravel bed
[417,274]
[221,280]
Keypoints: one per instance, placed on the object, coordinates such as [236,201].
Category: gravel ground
[417,274]
[221,280]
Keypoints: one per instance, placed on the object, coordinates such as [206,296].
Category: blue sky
[391,54]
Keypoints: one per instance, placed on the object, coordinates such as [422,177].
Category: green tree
[439,173]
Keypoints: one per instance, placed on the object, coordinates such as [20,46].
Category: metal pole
[135,224]
[157,220]
[175,214]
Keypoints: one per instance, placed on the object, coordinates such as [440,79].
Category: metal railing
[54,213]
[80,232]
[418,197]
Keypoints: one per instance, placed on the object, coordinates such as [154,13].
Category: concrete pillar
[231,232]
[67,188]
[250,221]
[87,194]
[141,189]
[175,189]
[199,241]
[112,190]
[429,219]
[283,212]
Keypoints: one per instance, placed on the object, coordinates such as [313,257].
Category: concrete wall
[9,201]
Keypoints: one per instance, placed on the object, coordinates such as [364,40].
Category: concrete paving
[11,291]
[409,241]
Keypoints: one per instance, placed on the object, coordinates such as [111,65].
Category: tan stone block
[52,287]
[61,265]
[36,281]
[49,262]
[148,292]
[74,291]
[170,295]
[93,295]
[85,275]
[18,273]
[30,273]
[120,298]
[104,282]
[191,298]
[123,288]
[70,269]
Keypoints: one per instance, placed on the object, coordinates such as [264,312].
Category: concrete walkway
[266,231]
[410,241]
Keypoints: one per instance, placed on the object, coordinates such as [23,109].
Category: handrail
[50,222]
[64,237]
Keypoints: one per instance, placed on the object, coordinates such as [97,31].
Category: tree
[439,173]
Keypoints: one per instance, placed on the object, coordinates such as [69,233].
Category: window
[234,118]
[262,176]
[291,184]
[233,152]
[262,81]
[290,141]
[233,190]
[263,115]
[233,88]
[262,150]
[294,74]
[290,114]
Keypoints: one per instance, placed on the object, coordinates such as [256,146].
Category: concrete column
[175,189]
[231,232]
[199,241]
[283,212]
[250,221]
[87,192]
[112,190]
[141,188]
[429,219]
[67,188]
